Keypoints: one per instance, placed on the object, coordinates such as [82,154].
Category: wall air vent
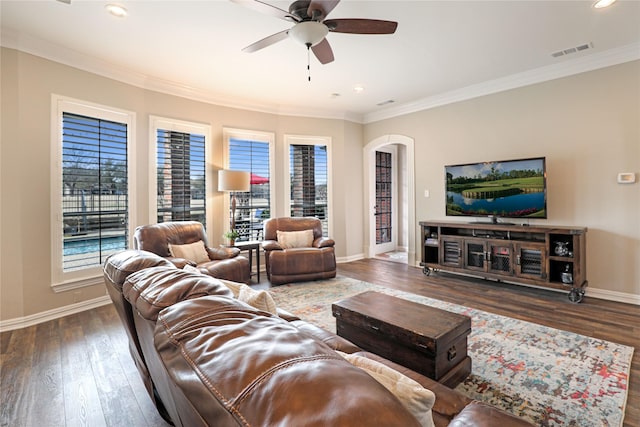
[572,50]
[387,102]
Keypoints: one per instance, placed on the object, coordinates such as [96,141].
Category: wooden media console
[546,256]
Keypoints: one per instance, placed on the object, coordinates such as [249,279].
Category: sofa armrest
[323,242]
[271,245]
[222,253]
[181,262]
[478,413]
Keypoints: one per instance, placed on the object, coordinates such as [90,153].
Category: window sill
[76,283]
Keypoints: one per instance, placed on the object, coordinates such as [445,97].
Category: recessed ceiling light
[116,10]
[358,88]
[603,3]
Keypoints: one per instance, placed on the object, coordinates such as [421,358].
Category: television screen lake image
[513,189]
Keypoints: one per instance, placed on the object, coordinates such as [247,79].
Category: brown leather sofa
[223,263]
[297,264]
[210,359]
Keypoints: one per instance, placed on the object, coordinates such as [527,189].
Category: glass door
[384,210]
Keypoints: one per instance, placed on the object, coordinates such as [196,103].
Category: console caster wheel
[576,295]
[426,271]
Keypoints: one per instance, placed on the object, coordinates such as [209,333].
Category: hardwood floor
[76,371]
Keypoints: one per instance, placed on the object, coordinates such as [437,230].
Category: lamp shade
[229,180]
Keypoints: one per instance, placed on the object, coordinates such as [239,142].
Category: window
[180,172]
[90,188]
[309,180]
[251,151]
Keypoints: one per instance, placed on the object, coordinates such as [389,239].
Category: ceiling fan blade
[323,51]
[361,26]
[267,41]
[321,8]
[266,8]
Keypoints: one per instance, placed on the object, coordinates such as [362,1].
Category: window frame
[60,280]
[253,135]
[290,140]
[175,125]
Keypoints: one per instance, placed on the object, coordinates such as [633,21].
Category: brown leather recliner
[297,264]
[223,263]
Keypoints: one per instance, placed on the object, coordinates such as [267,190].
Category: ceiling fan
[311,25]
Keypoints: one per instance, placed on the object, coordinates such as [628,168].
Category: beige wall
[588,128]
[27,85]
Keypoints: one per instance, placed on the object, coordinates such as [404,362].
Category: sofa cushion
[417,399]
[195,251]
[153,289]
[295,239]
[120,265]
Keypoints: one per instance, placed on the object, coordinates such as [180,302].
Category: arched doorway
[403,225]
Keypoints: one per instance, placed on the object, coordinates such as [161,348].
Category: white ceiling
[440,50]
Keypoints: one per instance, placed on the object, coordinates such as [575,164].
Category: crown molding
[53,52]
[63,55]
[566,68]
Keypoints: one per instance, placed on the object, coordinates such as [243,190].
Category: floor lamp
[232,181]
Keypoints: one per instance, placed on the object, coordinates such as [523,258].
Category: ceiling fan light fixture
[603,3]
[116,10]
[309,33]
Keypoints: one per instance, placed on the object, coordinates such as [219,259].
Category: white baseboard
[45,316]
[613,295]
[349,258]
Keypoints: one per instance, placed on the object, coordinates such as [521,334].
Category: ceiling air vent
[387,102]
[572,50]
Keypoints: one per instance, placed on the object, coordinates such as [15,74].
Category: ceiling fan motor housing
[299,8]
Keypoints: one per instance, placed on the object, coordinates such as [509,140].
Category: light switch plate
[626,178]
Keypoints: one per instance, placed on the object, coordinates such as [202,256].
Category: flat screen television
[506,188]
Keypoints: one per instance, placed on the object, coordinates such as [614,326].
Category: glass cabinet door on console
[451,253]
[475,255]
[531,260]
[500,258]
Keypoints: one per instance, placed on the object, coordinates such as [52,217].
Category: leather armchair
[222,263]
[297,264]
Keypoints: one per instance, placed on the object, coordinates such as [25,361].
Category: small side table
[251,246]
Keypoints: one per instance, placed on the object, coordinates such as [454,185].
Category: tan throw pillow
[261,300]
[295,239]
[195,252]
[417,399]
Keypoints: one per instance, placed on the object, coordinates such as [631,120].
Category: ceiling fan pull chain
[308,61]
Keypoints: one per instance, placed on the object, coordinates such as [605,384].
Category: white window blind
[308,169]
[94,190]
[181,176]
[254,206]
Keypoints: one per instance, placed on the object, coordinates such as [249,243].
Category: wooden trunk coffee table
[425,339]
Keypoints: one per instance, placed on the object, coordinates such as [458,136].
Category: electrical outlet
[426,193]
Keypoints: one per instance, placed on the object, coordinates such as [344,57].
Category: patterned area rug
[547,376]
